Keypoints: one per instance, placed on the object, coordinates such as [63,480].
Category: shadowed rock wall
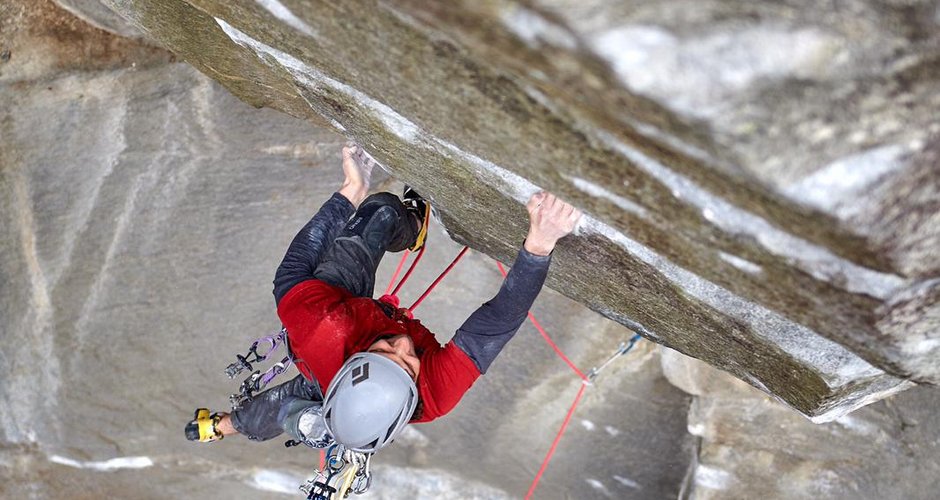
[760,178]
[748,446]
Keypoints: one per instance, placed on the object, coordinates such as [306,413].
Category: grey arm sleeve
[308,247]
[484,334]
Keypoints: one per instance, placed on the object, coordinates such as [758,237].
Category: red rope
[564,426]
[439,278]
[577,399]
[401,264]
[410,270]
[547,338]
[551,451]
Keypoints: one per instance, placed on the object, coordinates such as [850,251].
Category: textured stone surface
[760,177]
[750,446]
[144,209]
[37,41]
[144,213]
[100,16]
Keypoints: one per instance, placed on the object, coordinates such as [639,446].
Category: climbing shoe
[204,427]
[414,203]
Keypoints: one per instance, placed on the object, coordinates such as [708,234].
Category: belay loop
[255,382]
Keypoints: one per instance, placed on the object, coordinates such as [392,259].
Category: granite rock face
[760,177]
[100,16]
[750,446]
[144,210]
[37,41]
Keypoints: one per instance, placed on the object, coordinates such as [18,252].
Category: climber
[382,369]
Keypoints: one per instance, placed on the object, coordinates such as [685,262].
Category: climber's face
[401,350]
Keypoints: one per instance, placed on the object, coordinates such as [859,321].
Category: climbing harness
[344,471]
[341,470]
[255,382]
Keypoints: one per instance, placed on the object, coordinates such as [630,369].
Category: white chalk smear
[599,486]
[337,125]
[857,425]
[712,478]
[592,189]
[276,481]
[697,75]
[742,264]
[280,11]
[629,483]
[535,30]
[389,482]
[811,258]
[512,185]
[837,187]
[105,465]
[588,425]
[316,79]
[920,347]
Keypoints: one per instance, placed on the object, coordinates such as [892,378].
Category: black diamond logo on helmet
[360,374]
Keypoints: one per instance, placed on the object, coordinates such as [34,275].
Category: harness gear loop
[257,381]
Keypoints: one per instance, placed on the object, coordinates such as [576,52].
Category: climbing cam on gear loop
[255,382]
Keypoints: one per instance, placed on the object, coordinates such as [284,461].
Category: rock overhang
[685,241]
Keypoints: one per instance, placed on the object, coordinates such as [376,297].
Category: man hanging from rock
[381,370]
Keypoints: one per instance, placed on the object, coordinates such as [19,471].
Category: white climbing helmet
[369,402]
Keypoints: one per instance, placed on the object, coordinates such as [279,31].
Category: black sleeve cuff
[346,205]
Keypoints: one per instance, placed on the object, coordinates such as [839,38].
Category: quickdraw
[623,349]
[257,381]
[345,472]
